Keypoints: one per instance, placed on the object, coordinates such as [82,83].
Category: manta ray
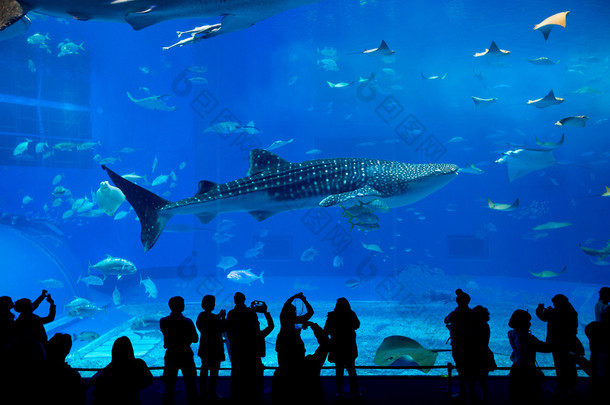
[273,184]
[546,101]
[523,161]
[236,14]
[547,24]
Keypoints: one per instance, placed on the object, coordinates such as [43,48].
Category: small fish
[154,165]
[578,121]
[337,262]
[149,287]
[542,61]
[57,179]
[85,336]
[197,80]
[31,66]
[182,165]
[87,145]
[41,147]
[503,207]
[68,47]
[328,64]
[67,214]
[338,85]
[134,177]
[197,69]
[160,179]
[109,160]
[51,283]
[226,262]
[372,247]
[256,251]
[64,146]
[120,215]
[552,225]
[90,280]
[309,255]
[22,147]
[245,277]
[114,266]
[456,139]
[26,200]
[116,296]
[293,80]
[223,237]
[353,283]
[313,152]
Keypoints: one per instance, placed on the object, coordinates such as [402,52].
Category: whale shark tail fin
[146,205]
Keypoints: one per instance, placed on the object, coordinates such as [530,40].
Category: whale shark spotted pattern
[274,185]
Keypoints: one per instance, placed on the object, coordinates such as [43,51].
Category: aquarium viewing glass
[522,219]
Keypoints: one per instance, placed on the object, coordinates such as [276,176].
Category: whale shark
[236,14]
[273,185]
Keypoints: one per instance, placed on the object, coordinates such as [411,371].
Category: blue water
[270,74]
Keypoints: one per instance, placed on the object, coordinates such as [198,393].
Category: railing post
[450,382]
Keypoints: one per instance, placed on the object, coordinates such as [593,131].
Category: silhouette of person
[304,381]
[60,383]
[289,345]
[243,331]
[459,324]
[603,303]
[7,335]
[524,379]
[598,365]
[260,351]
[341,325]
[562,326]
[178,334]
[120,382]
[481,357]
[30,324]
[211,347]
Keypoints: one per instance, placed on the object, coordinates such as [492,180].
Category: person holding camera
[289,345]
[211,348]
[33,325]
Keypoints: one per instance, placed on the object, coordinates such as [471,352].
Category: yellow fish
[548,273]
[503,207]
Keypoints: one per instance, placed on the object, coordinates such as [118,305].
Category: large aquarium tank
[385,151]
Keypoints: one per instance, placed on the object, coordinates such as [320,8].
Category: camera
[259,306]
[298,326]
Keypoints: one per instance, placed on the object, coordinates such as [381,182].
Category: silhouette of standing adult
[120,382]
[481,357]
[603,303]
[211,347]
[178,334]
[562,325]
[242,330]
[341,325]
[30,324]
[524,379]
[289,345]
[7,335]
[60,383]
[459,323]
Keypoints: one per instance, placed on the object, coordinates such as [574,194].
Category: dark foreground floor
[383,390]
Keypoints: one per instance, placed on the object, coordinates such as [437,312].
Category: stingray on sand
[395,347]
[547,24]
[523,161]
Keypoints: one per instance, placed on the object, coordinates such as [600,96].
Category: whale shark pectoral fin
[262,160]
[144,18]
[11,11]
[206,217]
[261,215]
[335,199]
